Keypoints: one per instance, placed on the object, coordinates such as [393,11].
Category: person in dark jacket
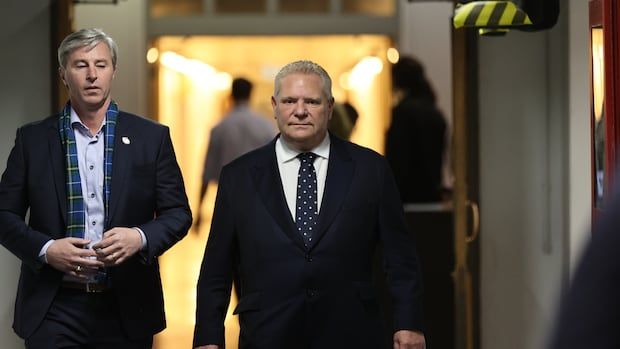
[415,141]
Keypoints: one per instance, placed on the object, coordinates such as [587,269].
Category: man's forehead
[101,49]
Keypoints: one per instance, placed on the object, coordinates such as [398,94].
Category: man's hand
[69,256]
[117,245]
[405,339]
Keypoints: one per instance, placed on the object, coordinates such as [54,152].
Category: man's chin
[92,102]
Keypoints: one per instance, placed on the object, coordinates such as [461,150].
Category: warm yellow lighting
[189,67]
[152,54]
[344,80]
[223,81]
[598,73]
[197,70]
[392,55]
[364,72]
[173,61]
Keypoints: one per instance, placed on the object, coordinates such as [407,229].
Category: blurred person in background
[240,131]
[343,120]
[416,139]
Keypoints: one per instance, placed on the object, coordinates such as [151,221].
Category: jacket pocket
[249,302]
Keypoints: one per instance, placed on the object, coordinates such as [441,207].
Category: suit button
[308,258]
[311,293]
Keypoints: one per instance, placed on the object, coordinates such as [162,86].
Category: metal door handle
[475,214]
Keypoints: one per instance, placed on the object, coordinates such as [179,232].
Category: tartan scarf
[76,224]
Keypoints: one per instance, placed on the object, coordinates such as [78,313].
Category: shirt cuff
[143,237]
[43,252]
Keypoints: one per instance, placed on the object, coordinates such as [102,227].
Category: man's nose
[92,74]
[300,109]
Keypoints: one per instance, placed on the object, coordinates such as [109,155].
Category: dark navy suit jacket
[147,191]
[321,297]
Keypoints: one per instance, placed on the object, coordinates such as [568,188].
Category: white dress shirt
[288,165]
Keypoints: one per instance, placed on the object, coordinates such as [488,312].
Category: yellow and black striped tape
[489,14]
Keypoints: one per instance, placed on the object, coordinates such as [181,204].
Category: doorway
[191,78]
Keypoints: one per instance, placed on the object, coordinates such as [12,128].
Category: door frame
[465,150]
[605,14]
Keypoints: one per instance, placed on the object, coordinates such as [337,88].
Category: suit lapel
[120,164]
[339,173]
[269,186]
[58,167]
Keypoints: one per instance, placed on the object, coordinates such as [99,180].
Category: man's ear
[61,75]
[273,102]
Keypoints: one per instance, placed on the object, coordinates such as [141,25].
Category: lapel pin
[126,140]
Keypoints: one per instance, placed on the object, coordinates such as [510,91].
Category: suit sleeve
[215,280]
[23,241]
[173,217]
[400,259]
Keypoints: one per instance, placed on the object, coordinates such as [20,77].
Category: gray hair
[89,37]
[304,67]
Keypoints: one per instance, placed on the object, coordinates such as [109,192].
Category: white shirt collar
[75,119]
[288,153]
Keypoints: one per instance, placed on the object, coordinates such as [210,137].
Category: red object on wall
[604,19]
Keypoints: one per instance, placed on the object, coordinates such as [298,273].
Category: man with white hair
[298,221]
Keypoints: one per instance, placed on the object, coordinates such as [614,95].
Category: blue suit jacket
[147,191]
[322,297]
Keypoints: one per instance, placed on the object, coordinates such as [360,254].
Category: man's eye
[288,101]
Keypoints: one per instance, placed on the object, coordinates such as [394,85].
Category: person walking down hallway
[415,141]
[105,198]
[240,131]
[299,219]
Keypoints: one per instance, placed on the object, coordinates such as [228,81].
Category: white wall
[24,97]
[579,145]
[523,163]
[126,23]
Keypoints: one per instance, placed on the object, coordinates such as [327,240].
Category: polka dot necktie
[306,212]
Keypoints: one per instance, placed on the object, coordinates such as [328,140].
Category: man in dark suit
[105,198]
[299,220]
